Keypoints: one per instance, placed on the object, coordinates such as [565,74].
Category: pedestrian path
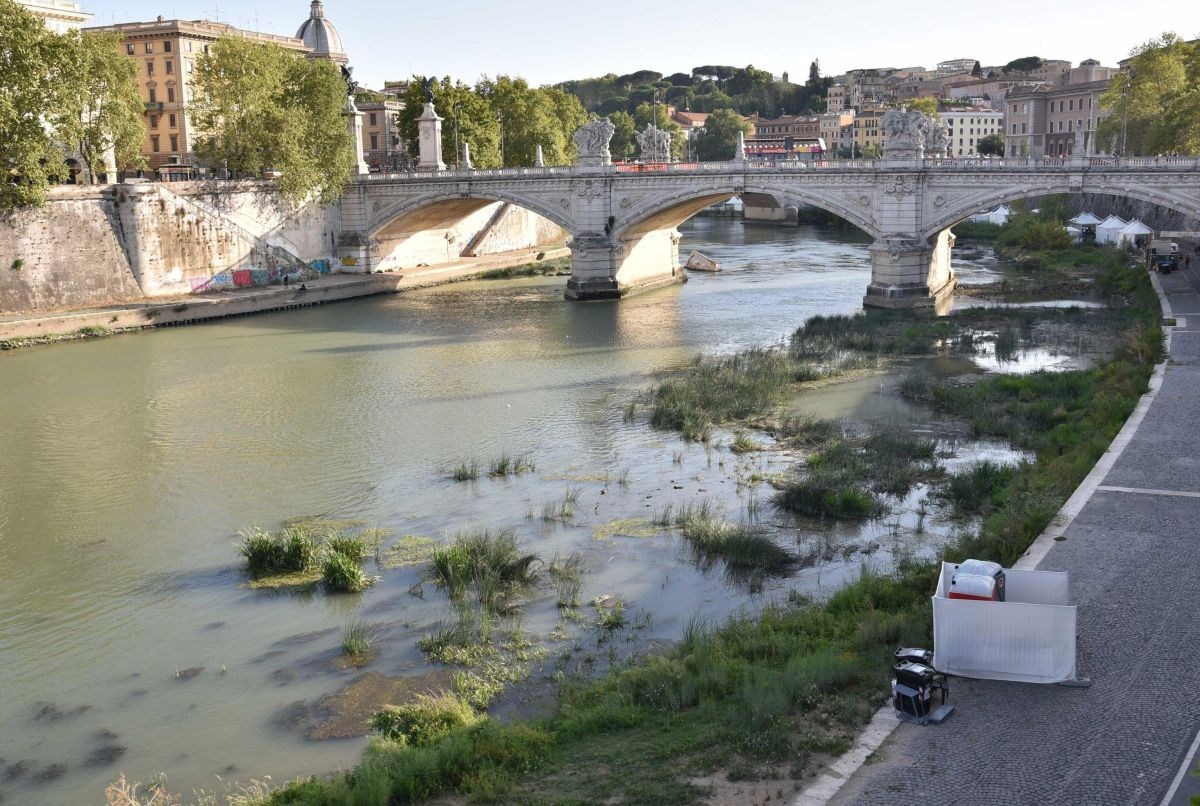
[1133,552]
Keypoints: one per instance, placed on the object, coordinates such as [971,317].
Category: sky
[547,42]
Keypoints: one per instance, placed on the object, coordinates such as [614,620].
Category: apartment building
[966,127]
[1048,120]
[166,53]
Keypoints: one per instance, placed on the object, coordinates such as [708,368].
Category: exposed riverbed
[129,638]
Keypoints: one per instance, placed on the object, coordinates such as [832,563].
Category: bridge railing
[982,164]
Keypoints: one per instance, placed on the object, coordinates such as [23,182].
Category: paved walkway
[1133,553]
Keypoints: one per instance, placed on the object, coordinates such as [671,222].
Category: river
[129,464]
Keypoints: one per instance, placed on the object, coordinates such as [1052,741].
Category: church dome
[321,37]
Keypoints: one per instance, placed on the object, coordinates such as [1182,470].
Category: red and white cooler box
[1028,635]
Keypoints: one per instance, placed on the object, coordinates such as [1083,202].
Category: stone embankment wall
[97,246]
[1152,215]
[67,254]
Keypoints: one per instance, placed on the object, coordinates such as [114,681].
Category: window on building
[154,143]
[171,120]
[372,118]
[187,46]
[1014,131]
[149,47]
[154,121]
[1078,124]
[167,46]
[187,66]
[170,95]
[153,95]
[149,68]
[129,48]
[1071,105]
[174,142]
[374,141]
[170,67]
[1069,127]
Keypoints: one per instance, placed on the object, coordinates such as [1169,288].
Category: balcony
[154,106]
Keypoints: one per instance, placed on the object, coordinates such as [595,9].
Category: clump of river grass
[561,510]
[308,550]
[743,548]
[566,575]
[507,465]
[975,491]
[488,564]
[425,720]
[358,641]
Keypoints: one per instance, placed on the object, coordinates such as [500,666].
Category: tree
[646,114]
[35,106]
[926,106]
[871,151]
[719,137]
[1023,65]
[992,144]
[106,104]
[622,144]
[531,117]
[977,70]
[1156,100]
[476,121]
[261,107]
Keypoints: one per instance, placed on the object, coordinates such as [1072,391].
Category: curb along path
[1130,538]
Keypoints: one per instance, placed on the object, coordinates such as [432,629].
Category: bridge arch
[668,211]
[450,223]
[961,209]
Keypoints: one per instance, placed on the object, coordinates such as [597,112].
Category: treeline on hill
[708,88]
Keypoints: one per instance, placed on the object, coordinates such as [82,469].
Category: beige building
[867,129]
[1051,119]
[166,53]
[966,127]
[60,16]
[835,98]
[832,124]
[383,148]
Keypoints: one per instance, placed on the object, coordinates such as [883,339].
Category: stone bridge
[622,219]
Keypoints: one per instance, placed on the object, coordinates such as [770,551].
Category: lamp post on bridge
[1125,110]
[457,148]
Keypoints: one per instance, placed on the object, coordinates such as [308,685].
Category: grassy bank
[771,696]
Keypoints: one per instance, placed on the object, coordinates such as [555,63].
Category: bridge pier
[604,269]
[908,272]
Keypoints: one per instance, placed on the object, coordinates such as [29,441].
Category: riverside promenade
[1133,552]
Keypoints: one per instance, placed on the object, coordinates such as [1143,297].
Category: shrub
[424,721]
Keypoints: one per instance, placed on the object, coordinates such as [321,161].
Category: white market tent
[1106,230]
[1085,220]
[1029,637]
[1133,230]
[1075,232]
[998,216]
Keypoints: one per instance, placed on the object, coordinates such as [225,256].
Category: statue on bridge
[655,144]
[937,139]
[904,134]
[591,140]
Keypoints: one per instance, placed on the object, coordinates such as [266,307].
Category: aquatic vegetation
[352,546]
[290,550]
[744,444]
[425,720]
[826,495]
[717,390]
[628,527]
[358,639]
[566,575]
[506,465]
[488,563]
[805,431]
[740,546]
[562,509]
[610,615]
[342,574]
[409,550]
[466,471]
[974,491]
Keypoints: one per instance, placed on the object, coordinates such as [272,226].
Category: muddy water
[128,637]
